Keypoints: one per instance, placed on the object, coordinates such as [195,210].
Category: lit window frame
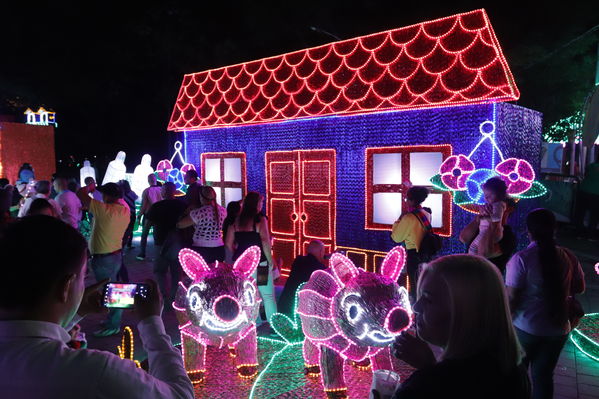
[222,184]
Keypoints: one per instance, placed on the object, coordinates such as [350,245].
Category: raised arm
[185,222]
[166,378]
[83,194]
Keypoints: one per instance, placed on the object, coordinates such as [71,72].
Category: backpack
[431,243]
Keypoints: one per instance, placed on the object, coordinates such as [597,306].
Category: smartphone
[122,295]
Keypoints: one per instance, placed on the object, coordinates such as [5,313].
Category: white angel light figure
[140,175]
[86,171]
[116,169]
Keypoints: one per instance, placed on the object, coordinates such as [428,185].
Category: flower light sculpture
[459,175]
[350,314]
[165,171]
[218,307]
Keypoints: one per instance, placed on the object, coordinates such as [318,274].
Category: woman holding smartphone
[251,228]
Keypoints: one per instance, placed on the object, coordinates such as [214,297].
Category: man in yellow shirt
[111,219]
[410,229]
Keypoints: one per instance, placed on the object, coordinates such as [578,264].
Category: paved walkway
[576,375]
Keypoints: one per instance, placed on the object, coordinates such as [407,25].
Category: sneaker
[140,257]
[107,332]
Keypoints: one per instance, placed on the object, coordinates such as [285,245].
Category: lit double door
[301,201]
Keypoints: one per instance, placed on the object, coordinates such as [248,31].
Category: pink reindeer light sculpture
[218,308]
[350,314]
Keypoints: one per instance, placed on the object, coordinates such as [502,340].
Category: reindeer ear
[343,268]
[393,263]
[248,261]
[192,263]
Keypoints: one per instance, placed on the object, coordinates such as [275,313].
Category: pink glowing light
[192,263]
[343,268]
[163,168]
[518,174]
[197,309]
[217,300]
[248,261]
[455,170]
[393,263]
[395,314]
[338,314]
[187,167]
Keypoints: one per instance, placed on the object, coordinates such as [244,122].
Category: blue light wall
[518,133]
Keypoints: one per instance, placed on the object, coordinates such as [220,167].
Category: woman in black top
[251,228]
[462,308]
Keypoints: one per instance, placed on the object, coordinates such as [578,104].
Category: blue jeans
[165,262]
[267,293]
[542,354]
[146,226]
[107,267]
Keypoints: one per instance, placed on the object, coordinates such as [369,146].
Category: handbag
[262,274]
[431,243]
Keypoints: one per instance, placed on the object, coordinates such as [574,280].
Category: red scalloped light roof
[450,61]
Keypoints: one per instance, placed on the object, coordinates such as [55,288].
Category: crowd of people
[494,313]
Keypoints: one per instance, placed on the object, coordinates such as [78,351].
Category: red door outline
[301,196]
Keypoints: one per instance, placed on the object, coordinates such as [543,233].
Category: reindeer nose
[226,308]
[397,319]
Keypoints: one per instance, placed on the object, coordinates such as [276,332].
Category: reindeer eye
[354,312]
[194,301]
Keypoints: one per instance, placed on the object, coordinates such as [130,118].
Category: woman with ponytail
[541,281]
[208,220]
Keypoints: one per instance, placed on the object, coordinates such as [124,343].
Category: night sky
[112,71]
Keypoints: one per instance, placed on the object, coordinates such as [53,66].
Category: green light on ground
[586,336]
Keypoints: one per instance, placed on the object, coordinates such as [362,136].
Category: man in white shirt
[68,202]
[149,197]
[34,311]
[42,190]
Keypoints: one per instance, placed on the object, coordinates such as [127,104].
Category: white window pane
[233,169]
[212,171]
[423,166]
[232,194]
[386,207]
[218,195]
[386,168]
[435,202]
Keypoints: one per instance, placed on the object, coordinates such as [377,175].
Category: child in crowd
[487,229]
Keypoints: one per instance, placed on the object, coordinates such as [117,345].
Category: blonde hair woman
[462,308]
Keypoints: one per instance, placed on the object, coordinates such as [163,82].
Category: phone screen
[122,295]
